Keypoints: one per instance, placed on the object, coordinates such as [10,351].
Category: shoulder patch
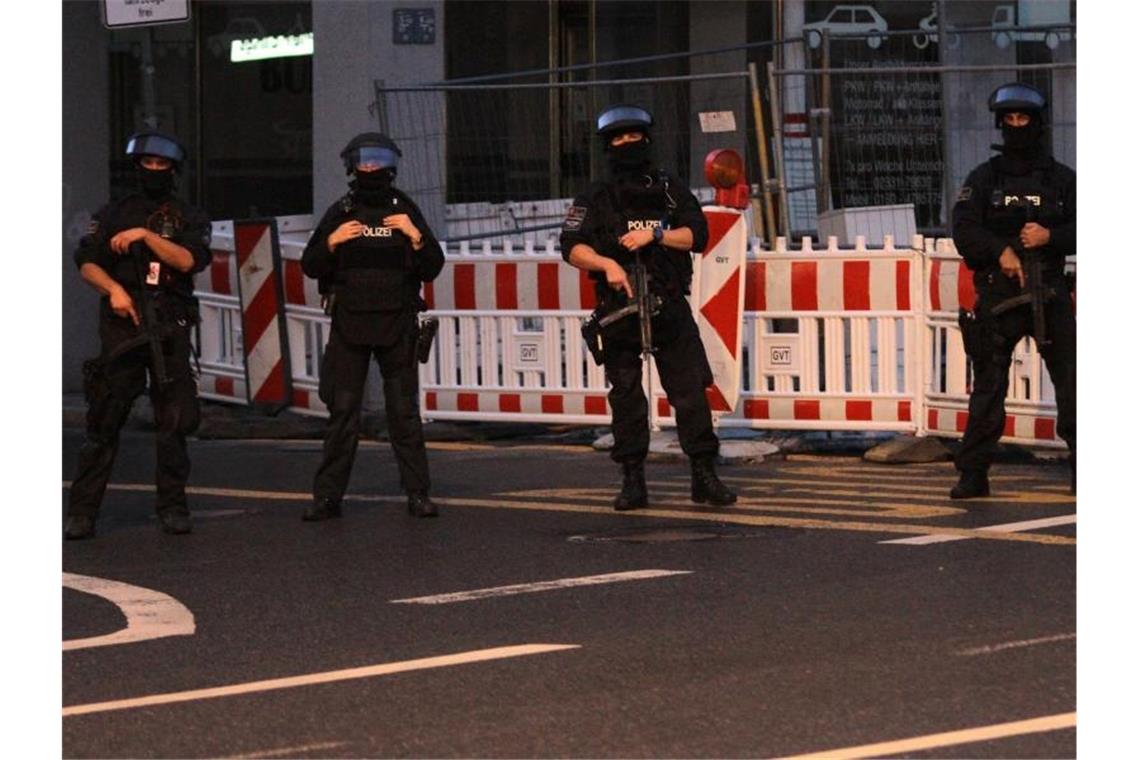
[965,194]
[575,215]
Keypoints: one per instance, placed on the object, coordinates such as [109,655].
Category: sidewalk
[227,421]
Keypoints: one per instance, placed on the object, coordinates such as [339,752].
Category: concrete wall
[86,177]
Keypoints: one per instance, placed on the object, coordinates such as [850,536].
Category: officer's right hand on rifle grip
[617,278]
[345,232]
[123,305]
[1011,265]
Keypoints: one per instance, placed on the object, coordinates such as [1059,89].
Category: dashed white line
[1016,644]
[150,614]
[939,538]
[308,679]
[947,739]
[530,588]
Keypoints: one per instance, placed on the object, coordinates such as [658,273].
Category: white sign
[717,121]
[143,12]
[264,48]
[781,354]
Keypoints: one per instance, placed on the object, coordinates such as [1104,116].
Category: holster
[592,335]
[973,333]
[425,336]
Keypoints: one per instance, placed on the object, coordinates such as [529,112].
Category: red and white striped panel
[524,402]
[262,313]
[1020,427]
[299,289]
[221,388]
[220,277]
[839,284]
[541,285]
[951,285]
[816,409]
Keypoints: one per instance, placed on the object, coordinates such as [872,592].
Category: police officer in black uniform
[371,252]
[172,241]
[639,207]
[1019,203]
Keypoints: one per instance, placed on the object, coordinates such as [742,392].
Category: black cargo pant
[344,370]
[684,372]
[991,371]
[111,389]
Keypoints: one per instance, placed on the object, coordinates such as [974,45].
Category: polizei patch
[575,215]
[965,194]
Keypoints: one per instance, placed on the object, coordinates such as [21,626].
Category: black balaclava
[155,184]
[371,186]
[1023,141]
[630,159]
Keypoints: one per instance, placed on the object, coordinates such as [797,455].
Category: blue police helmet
[370,148]
[624,117]
[1019,97]
[154,143]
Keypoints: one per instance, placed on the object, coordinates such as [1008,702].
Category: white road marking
[1016,644]
[530,588]
[369,671]
[938,538]
[305,748]
[150,614]
[947,739]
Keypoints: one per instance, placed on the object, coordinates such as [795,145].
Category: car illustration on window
[850,20]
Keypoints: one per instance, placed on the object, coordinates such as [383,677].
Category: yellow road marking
[946,739]
[751,502]
[694,514]
[468,446]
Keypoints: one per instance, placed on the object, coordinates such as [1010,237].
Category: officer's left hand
[403,223]
[121,243]
[1033,235]
[635,239]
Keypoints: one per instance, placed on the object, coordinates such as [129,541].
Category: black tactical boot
[707,487]
[322,509]
[634,494]
[421,505]
[79,527]
[175,523]
[971,485]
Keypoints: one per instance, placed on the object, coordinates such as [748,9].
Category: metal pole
[778,133]
[947,173]
[825,148]
[199,123]
[146,66]
[813,131]
[765,220]
[554,96]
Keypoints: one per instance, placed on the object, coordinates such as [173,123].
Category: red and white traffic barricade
[218,337]
[826,339]
[1031,411]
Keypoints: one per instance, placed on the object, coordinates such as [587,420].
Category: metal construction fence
[833,338]
[903,121]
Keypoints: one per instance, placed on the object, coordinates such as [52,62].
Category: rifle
[644,305]
[1036,293]
[148,321]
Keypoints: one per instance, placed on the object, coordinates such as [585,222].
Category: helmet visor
[371,158]
[624,116]
[155,145]
[1015,97]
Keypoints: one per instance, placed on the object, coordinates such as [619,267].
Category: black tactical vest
[375,282]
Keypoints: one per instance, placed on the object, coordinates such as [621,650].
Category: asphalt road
[783,626]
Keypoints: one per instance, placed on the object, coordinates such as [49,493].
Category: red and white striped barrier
[718,301]
[259,291]
[830,339]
